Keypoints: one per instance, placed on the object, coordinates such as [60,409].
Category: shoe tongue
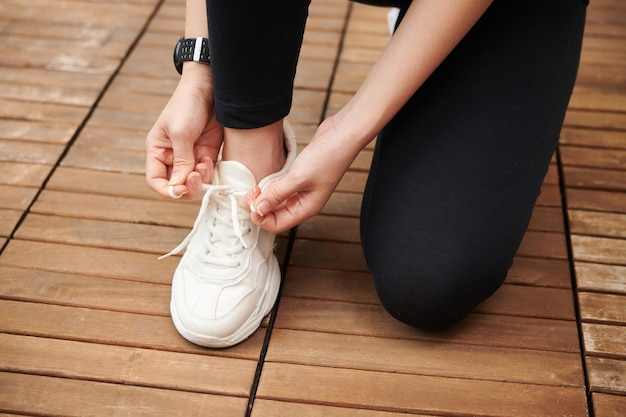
[235,174]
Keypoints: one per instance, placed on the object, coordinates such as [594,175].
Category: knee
[434,297]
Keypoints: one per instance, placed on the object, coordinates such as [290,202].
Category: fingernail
[170,191]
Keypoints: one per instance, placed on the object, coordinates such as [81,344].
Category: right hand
[183,145]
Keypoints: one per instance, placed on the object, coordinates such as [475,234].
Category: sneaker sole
[249,327]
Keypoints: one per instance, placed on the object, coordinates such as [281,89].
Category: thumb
[273,196]
[183,163]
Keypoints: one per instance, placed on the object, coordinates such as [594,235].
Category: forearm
[196,19]
[196,25]
[427,34]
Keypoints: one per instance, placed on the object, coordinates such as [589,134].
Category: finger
[248,199]
[205,169]
[157,173]
[171,190]
[183,161]
[284,217]
[194,186]
[274,195]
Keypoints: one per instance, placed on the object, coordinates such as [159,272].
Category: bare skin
[427,34]
[183,145]
[260,150]
[181,149]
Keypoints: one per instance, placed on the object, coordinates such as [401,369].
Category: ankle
[261,150]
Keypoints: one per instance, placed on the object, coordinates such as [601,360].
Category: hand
[183,145]
[304,191]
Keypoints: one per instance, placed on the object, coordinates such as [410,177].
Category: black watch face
[177,60]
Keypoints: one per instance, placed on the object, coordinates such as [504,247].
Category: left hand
[304,191]
[184,143]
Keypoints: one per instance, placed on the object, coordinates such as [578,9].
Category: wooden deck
[84,320]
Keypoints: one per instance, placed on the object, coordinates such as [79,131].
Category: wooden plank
[121,119]
[331,255]
[525,301]
[547,219]
[603,278]
[24,130]
[540,272]
[106,207]
[593,157]
[420,357]
[111,138]
[609,405]
[61,94]
[597,97]
[600,250]
[264,408]
[23,174]
[363,161]
[86,181]
[601,179]
[309,94]
[328,284]
[161,87]
[543,245]
[318,51]
[16,198]
[84,291]
[343,204]
[596,200]
[604,340]
[550,196]
[123,15]
[595,119]
[101,234]
[38,395]
[593,138]
[109,328]
[105,263]
[603,308]
[477,329]
[106,160]
[48,77]
[349,76]
[127,365]
[134,102]
[353,181]
[606,375]
[593,223]
[8,220]
[397,392]
[56,56]
[76,35]
[30,152]
[331,228]
[142,64]
[42,112]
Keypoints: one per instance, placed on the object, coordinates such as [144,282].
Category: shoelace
[226,235]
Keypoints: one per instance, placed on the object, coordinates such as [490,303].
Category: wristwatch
[191,49]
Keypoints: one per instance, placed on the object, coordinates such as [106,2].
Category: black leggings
[456,173]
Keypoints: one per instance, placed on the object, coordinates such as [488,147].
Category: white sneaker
[228,279]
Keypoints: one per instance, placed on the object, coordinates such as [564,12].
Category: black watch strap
[191,49]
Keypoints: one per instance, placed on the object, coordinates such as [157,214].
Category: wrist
[357,130]
[197,70]
[196,81]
